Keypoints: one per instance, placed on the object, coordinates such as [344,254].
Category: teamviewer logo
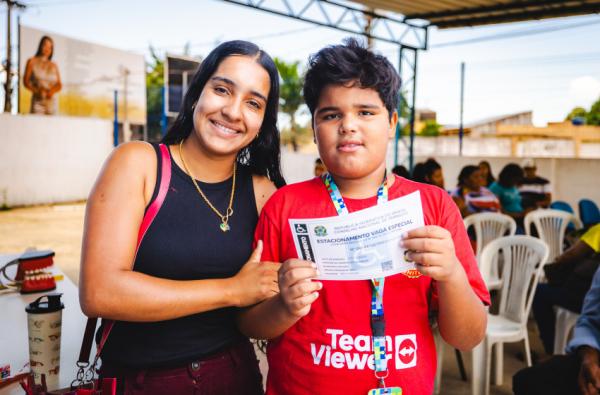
[406,351]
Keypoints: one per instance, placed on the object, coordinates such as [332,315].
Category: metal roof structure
[462,13]
[406,23]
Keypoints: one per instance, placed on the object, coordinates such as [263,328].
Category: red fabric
[327,351]
[165,180]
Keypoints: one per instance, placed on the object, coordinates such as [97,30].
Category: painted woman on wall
[42,78]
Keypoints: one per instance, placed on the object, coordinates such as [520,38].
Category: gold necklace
[224,218]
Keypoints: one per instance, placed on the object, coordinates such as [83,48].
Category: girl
[174,298]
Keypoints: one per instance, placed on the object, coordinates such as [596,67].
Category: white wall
[49,159]
[572,179]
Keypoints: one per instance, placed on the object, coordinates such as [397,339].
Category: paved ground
[59,227]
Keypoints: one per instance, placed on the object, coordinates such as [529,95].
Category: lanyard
[377,316]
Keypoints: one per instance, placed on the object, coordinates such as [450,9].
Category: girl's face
[231,108]
[475,180]
[437,178]
[484,169]
[46,48]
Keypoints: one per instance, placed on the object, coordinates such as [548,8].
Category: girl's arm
[58,85]
[272,317]
[109,287]
[27,77]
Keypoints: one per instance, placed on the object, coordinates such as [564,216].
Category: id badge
[386,391]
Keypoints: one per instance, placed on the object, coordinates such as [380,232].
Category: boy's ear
[393,123]
[312,125]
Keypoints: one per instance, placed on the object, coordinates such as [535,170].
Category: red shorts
[231,371]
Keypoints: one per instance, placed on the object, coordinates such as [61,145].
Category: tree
[576,112]
[593,116]
[431,128]
[290,93]
[155,79]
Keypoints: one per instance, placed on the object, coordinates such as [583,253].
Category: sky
[548,66]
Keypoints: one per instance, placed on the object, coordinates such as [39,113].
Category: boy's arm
[462,317]
[270,318]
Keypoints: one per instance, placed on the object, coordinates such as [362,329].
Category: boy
[321,331]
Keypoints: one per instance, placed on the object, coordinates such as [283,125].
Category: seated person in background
[319,167]
[433,173]
[486,172]
[569,278]
[401,171]
[535,191]
[418,173]
[578,372]
[471,196]
[505,188]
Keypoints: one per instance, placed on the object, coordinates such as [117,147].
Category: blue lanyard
[377,317]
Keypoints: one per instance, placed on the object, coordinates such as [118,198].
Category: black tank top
[184,242]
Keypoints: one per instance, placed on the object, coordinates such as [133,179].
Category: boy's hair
[351,63]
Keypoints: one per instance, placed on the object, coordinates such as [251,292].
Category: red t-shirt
[329,350]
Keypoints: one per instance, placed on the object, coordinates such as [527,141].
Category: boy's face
[352,129]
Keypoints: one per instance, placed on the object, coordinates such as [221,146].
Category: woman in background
[486,172]
[507,191]
[471,196]
[42,78]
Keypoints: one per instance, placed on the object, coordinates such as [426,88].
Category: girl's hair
[510,175]
[418,172]
[431,165]
[39,50]
[465,173]
[262,155]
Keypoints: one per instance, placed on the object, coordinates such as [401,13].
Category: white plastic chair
[565,321]
[489,227]
[551,226]
[524,257]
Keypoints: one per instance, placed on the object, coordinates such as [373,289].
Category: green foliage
[593,116]
[576,112]
[155,79]
[290,93]
[302,135]
[431,128]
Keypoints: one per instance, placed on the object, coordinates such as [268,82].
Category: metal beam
[528,15]
[345,18]
[511,7]
[407,66]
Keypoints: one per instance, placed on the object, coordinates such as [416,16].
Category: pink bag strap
[151,212]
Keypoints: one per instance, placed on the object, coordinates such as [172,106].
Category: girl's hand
[256,280]
[432,249]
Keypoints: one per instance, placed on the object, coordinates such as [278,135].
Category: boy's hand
[297,291]
[432,249]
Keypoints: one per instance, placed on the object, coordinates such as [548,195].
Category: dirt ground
[59,228]
[53,227]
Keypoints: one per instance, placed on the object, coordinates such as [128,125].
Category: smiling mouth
[224,128]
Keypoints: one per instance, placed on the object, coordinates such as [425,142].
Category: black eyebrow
[357,105]
[230,82]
